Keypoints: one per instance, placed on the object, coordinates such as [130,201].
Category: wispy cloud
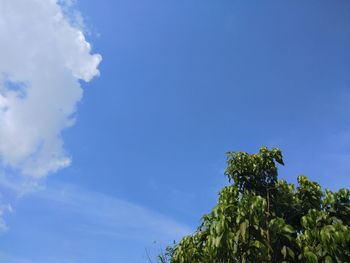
[92,216]
[100,214]
[107,215]
[4,208]
[44,55]
[4,257]
[11,259]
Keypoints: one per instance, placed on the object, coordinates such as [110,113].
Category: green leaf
[291,252]
[284,252]
[310,257]
[328,259]
[243,228]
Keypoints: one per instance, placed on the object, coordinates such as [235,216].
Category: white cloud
[42,58]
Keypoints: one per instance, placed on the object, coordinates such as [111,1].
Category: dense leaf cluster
[259,218]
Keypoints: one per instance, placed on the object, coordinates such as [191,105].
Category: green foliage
[259,218]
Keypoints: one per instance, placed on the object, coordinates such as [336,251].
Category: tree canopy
[259,218]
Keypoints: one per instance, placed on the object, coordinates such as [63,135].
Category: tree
[259,218]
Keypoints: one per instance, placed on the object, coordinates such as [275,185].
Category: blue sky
[180,84]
